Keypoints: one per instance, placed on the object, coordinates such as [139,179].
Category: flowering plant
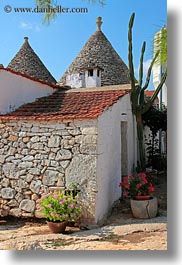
[59,206]
[137,186]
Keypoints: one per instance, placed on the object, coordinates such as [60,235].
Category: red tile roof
[149,93]
[71,105]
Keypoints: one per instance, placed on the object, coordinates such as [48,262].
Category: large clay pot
[57,227]
[142,197]
[144,208]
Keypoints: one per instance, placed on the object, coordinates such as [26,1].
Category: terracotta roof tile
[149,93]
[60,105]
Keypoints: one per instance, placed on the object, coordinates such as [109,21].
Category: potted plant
[59,209]
[73,188]
[140,189]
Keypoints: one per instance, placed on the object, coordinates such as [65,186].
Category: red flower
[151,189]
[132,178]
[125,179]
[139,185]
[136,185]
[142,175]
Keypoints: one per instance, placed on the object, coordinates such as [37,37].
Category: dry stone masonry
[39,157]
[98,52]
[26,61]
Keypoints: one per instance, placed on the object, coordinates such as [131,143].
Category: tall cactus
[139,105]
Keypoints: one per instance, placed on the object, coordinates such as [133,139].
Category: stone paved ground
[119,232]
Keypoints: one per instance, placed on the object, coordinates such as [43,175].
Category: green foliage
[101,2]
[160,44]
[139,105]
[47,5]
[155,119]
[51,4]
[59,206]
[160,162]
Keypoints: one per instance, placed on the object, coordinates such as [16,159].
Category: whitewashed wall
[17,90]
[109,169]
[156,81]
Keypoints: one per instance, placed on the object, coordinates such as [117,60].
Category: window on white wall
[90,72]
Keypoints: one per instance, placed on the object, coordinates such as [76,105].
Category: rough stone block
[35,139]
[35,186]
[90,130]
[50,177]
[4,212]
[9,170]
[54,141]
[27,205]
[15,212]
[38,214]
[13,138]
[63,154]
[2,159]
[8,193]
[80,169]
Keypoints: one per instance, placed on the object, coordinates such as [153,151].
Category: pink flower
[61,202]
[56,196]
[72,214]
[45,195]
[71,206]
[49,205]
[125,193]
[64,215]
[40,208]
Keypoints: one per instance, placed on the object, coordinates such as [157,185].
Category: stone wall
[38,157]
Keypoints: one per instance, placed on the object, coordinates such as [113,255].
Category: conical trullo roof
[27,62]
[98,52]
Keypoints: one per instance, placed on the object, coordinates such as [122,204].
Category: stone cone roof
[98,52]
[27,62]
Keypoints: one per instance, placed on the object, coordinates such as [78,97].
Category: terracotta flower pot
[144,208]
[143,197]
[57,227]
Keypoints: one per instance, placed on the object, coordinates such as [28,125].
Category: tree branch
[130,53]
[152,99]
[149,71]
[141,64]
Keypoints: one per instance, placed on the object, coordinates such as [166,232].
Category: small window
[98,72]
[90,72]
